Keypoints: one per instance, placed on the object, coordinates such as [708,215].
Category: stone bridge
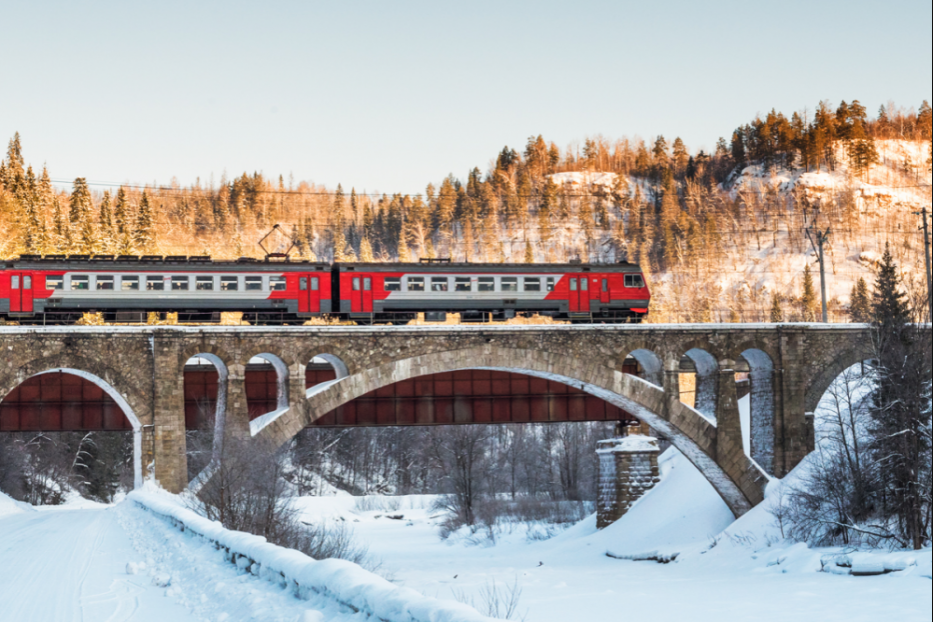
[789,368]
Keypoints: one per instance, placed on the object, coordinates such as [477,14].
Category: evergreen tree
[106,223]
[121,218]
[889,304]
[366,251]
[79,216]
[144,234]
[808,302]
[777,312]
[860,307]
[681,157]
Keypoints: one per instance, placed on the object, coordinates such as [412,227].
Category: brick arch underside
[133,402]
[741,485]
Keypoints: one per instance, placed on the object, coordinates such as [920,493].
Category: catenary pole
[818,239]
[926,258]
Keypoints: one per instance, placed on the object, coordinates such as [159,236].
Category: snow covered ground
[723,569]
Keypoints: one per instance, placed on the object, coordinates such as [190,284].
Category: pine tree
[777,312]
[366,251]
[808,302]
[144,234]
[889,304]
[107,240]
[404,253]
[860,311]
[121,216]
[80,217]
[681,157]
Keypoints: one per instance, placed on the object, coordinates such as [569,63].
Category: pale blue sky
[390,95]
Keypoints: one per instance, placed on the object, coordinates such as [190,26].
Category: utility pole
[926,258]
[818,239]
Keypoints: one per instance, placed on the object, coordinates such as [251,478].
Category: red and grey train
[60,289]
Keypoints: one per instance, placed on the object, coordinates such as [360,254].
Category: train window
[55,282]
[393,284]
[229,283]
[487,284]
[315,284]
[105,283]
[27,282]
[605,285]
[573,285]
[277,284]
[356,284]
[205,283]
[464,284]
[584,285]
[440,285]
[509,284]
[80,283]
[130,283]
[367,285]
[634,281]
[15,282]
[303,284]
[180,284]
[551,283]
[416,283]
[254,283]
[532,285]
[155,283]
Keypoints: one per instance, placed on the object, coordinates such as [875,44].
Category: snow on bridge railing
[344,582]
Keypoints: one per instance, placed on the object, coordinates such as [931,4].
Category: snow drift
[342,581]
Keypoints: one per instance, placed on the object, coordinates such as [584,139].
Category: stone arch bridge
[789,368]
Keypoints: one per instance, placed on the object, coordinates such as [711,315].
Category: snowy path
[70,566]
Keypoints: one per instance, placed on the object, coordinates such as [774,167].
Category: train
[59,290]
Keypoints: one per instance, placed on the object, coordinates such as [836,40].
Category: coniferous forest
[721,235]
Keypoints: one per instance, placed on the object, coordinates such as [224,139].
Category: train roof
[522,268]
[155,262]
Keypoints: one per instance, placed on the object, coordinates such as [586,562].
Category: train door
[362,293]
[604,295]
[585,294]
[21,292]
[575,294]
[309,287]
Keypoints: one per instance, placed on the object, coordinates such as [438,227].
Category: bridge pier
[730,450]
[628,470]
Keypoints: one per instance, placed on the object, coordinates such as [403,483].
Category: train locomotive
[59,290]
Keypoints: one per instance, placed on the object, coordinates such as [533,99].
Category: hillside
[721,235]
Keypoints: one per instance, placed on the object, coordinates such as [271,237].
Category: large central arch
[737,480]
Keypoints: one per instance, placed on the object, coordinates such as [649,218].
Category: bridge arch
[821,382]
[651,364]
[741,486]
[706,381]
[8,384]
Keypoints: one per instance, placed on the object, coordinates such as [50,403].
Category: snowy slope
[9,507]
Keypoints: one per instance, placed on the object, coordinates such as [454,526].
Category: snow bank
[8,506]
[682,512]
[346,583]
